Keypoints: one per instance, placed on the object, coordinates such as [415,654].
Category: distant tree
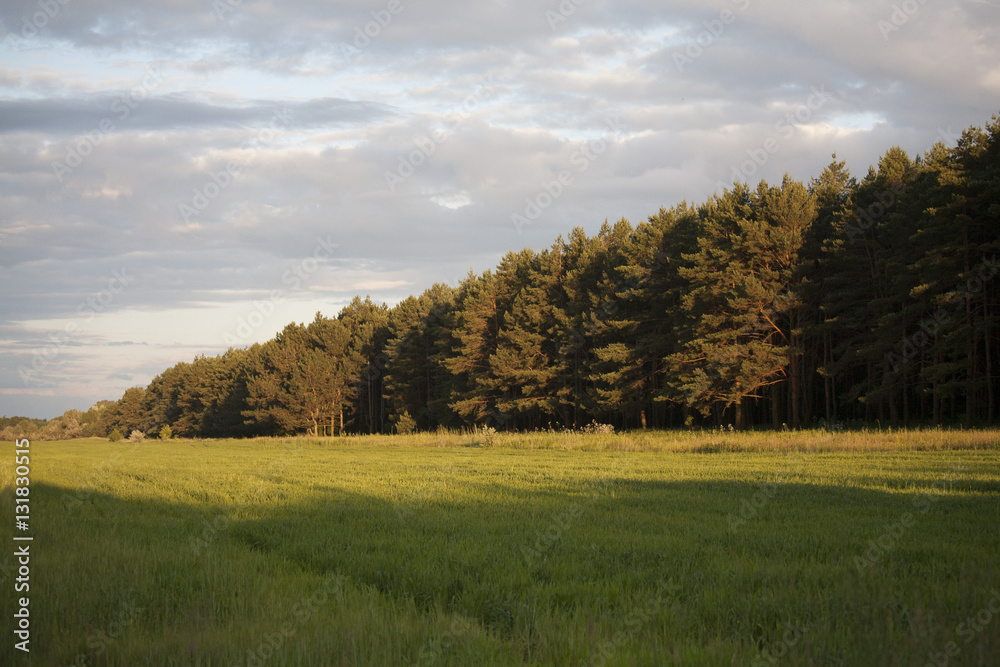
[368,324]
[628,329]
[481,304]
[92,423]
[416,380]
[528,373]
[305,378]
[126,415]
[272,399]
[871,299]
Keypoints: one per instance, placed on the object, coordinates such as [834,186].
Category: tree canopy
[788,304]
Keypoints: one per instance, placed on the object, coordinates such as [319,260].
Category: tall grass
[698,441]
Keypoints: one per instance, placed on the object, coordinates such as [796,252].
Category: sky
[178,177]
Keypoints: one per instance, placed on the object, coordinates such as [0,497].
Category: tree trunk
[795,388]
[775,406]
[906,396]
[970,376]
[935,394]
[371,399]
[989,359]
[827,379]
[969,340]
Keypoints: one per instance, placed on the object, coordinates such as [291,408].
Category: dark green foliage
[411,367]
[127,414]
[304,378]
[369,326]
[871,301]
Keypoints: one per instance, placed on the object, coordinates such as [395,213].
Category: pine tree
[741,336]
[481,305]
[416,381]
[369,327]
[833,190]
[527,372]
[272,400]
[871,300]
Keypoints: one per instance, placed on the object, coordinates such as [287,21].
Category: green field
[554,549]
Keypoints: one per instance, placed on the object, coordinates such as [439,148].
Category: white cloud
[507,107]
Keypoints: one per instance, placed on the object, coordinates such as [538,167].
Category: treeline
[73,424]
[782,305]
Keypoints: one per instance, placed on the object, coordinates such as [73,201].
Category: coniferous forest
[844,300]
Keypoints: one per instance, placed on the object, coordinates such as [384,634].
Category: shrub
[115,435]
[405,424]
[166,433]
[136,436]
[489,436]
[594,427]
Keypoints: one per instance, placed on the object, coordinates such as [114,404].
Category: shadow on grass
[832,575]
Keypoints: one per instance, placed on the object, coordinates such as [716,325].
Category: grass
[550,549]
[702,441]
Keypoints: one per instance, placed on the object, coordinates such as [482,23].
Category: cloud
[208,148]
[131,111]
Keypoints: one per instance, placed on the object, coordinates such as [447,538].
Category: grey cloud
[352,120]
[79,115]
